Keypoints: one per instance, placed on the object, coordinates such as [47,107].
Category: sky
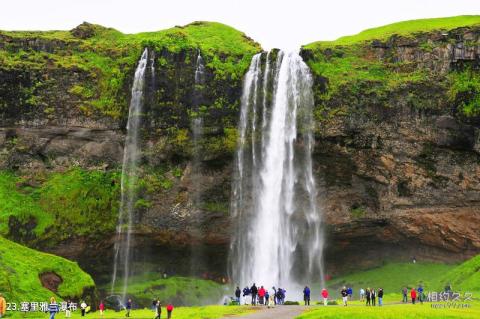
[272,23]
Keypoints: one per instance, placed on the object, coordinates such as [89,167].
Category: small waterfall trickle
[131,157]
[278,238]
[197,257]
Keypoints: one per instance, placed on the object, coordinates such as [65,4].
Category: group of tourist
[261,295]
[415,294]
[370,296]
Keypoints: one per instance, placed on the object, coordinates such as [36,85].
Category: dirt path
[281,312]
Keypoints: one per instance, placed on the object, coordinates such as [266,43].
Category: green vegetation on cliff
[105,59]
[404,60]
[51,207]
[403,28]
[21,268]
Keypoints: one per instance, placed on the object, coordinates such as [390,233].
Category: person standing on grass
[380,297]
[373,296]
[83,308]
[101,307]
[306,295]
[350,293]
[128,307]
[413,295]
[344,294]
[68,311]
[254,292]
[362,294]
[325,296]
[368,295]
[158,309]
[405,295]
[237,295]
[3,306]
[420,294]
[169,311]
[53,308]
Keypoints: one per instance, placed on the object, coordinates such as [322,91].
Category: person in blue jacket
[420,294]
[306,295]
[350,292]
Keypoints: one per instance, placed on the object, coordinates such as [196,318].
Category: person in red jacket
[325,296]
[101,307]
[413,295]
[261,294]
[169,310]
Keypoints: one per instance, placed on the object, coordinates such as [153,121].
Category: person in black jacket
[237,295]
[368,295]
[380,297]
[254,292]
[373,295]
[344,294]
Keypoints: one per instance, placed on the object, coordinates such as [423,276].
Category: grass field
[208,312]
[398,311]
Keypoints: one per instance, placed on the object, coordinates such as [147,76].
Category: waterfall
[131,156]
[277,235]
[197,253]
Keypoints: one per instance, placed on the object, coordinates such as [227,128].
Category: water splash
[131,156]
[278,239]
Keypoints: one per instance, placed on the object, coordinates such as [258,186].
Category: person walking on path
[344,294]
[237,295]
[368,295]
[53,308]
[261,295]
[3,306]
[169,310]
[306,295]
[405,295]
[325,296]
[274,295]
[362,294]
[413,295]
[373,296]
[380,297]
[83,308]
[101,307]
[158,309]
[128,307]
[254,292]
[420,294]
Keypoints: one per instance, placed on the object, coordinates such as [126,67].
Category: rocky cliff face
[397,150]
[400,164]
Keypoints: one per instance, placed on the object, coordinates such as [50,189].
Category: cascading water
[278,239]
[131,156]
[197,132]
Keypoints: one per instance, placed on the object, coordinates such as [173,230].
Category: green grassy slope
[466,276]
[393,277]
[20,268]
[403,28]
[177,290]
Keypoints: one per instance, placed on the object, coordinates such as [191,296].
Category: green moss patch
[20,270]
